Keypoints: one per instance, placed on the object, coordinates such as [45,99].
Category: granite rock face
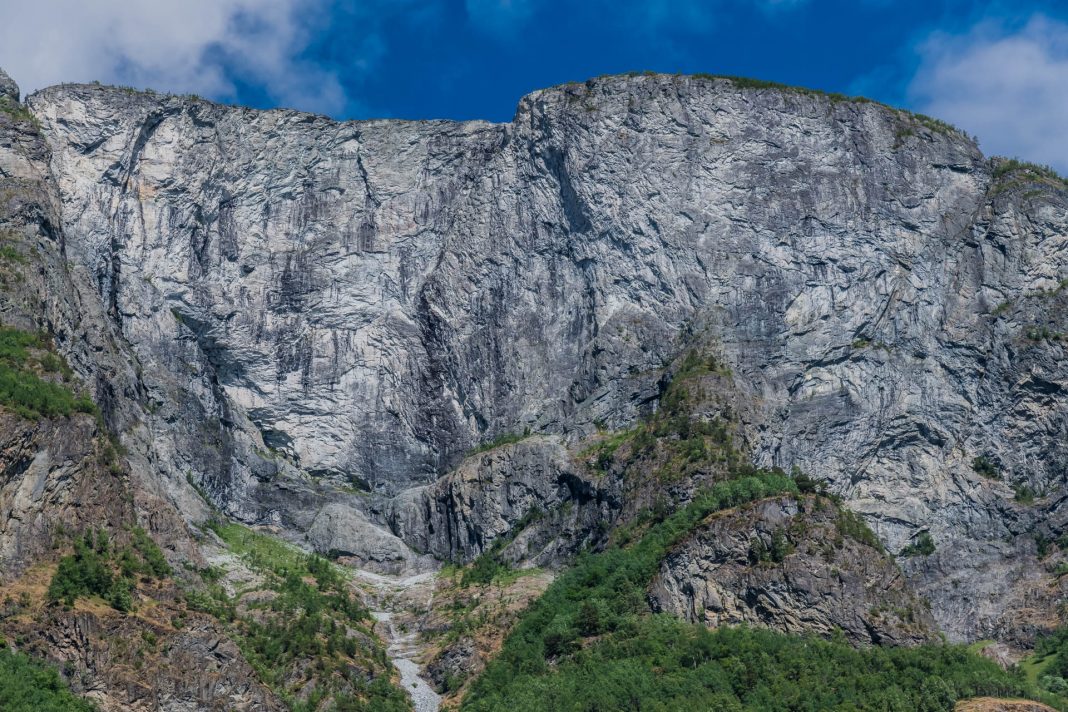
[361,303]
[787,564]
[531,490]
[66,474]
[8,88]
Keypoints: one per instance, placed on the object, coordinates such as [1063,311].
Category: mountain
[401,343]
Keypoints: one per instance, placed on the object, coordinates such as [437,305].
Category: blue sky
[997,69]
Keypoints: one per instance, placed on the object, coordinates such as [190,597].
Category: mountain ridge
[315,325]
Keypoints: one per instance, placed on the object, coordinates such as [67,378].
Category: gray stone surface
[8,87]
[821,582]
[363,302]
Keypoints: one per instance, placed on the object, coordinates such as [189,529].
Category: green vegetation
[673,444]
[1023,493]
[505,439]
[1028,171]
[749,83]
[589,643]
[1011,174]
[1048,665]
[986,467]
[1002,308]
[928,122]
[489,567]
[17,111]
[923,546]
[98,569]
[26,686]
[774,553]
[308,626]
[937,125]
[1043,333]
[24,358]
[849,524]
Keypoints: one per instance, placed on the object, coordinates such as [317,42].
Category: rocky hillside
[400,343]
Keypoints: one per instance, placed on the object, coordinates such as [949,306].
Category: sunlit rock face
[316,303]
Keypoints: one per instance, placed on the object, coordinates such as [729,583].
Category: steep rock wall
[364,301]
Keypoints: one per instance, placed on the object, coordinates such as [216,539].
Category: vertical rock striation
[316,304]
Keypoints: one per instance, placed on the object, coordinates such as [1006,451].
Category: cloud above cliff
[209,47]
[1006,85]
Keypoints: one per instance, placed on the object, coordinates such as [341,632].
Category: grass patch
[505,439]
[17,111]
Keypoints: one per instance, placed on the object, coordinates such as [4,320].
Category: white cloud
[1008,87]
[195,46]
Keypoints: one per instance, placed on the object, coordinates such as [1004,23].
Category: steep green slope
[590,644]
[28,687]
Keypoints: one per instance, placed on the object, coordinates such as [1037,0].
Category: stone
[786,564]
[8,87]
[296,306]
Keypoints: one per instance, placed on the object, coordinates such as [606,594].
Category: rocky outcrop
[364,302]
[531,490]
[8,88]
[55,479]
[61,474]
[162,657]
[344,532]
[795,565]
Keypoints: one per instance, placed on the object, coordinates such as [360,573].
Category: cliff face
[317,305]
[793,565]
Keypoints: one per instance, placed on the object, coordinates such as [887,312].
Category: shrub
[26,686]
[923,546]
[590,643]
[97,569]
[986,467]
[1023,493]
[22,390]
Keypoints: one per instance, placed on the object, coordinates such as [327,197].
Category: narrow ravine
[402,648]
[398,604]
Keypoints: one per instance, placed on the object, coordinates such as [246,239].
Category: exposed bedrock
[316,303]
